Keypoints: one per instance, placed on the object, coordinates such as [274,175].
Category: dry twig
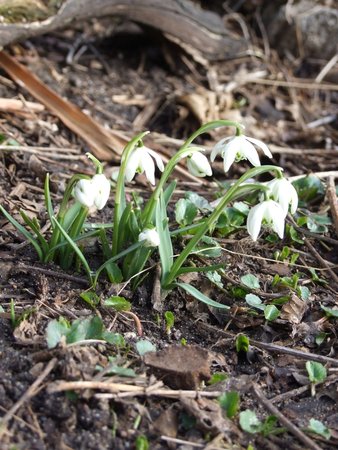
[310,445]
[332,197]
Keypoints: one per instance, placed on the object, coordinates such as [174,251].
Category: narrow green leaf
[35,227]
[48,199]
[24,232]
[168,192]
[76,250]
[165,247]
[199,296]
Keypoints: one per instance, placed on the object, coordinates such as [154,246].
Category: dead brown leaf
[180,367]
[293,311]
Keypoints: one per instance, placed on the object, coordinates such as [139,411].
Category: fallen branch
[195,29]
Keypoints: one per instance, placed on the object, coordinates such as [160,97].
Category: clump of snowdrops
[135,233]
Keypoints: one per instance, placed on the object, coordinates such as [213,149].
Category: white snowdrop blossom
[84,192]
[150,237]
[284,193]
[142,160]
[93,192]
[269,213]
[238,148]
[102,190]
[198,165]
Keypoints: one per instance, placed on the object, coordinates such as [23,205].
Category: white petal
[148,166]
[198,165]
[250,153]
[84,192]
[278,219]
[254,221]
[156,157]
[218,148]
[261,145]
[132,164]
[150,237]
[229,154]
[293,198]
[102,186]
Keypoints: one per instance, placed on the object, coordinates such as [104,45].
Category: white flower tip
[150,237]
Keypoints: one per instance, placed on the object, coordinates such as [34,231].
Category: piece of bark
[183,21]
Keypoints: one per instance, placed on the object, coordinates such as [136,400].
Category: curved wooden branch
[181,20]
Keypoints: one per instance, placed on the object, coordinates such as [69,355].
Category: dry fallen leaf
[180,367]
[293,311]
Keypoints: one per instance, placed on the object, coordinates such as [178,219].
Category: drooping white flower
[142,160]
[102,189]
[284,193]
[84,192]
[238,148]
[150,237]
[93,192]
[198,165]
[269,213]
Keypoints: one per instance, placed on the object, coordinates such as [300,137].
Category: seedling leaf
[316,426]
[229,401]
[250,281]
[316,371]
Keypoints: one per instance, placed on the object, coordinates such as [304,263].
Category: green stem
[96,162]
[119,194]
[212,219]
[149,209]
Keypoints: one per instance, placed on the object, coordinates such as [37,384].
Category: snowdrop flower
[84,192]
[284,193]
[198,165]
[269,213]
[238,148]
[142,160]
[94,192]
[102,190]
[150,237]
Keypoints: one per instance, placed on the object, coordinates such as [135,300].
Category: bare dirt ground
[135,82]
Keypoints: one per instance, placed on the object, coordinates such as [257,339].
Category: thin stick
[321,260]
[309,444]
[118,389]
[31,391]
[54,273]
[274,348]
[332,197]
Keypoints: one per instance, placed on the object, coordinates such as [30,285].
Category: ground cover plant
[185,294]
